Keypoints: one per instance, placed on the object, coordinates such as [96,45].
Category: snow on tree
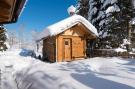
[83,8]
[3,39]
[126,15]
[95,12]
[121,28]
[110,17]
[101,14]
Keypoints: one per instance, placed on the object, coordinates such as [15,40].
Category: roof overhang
[10,10]
[94,36]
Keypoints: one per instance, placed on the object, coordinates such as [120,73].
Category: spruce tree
[83,8]
[120,27]
[3,38]
[103,19]
[111,18]
[126,15]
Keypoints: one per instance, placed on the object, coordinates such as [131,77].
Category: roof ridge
[62,25]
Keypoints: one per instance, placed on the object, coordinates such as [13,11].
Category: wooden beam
[5,4]
[10,10]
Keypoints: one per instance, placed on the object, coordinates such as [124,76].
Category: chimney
[71,10]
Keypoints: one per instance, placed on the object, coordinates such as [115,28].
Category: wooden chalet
[68,39]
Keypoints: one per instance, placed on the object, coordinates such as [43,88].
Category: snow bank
[95,73]
[64,25]
[13,58]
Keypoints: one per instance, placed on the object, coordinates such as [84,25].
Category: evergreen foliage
[111,18]
[83,8]
[3,38]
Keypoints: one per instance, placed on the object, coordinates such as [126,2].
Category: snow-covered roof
[63,25]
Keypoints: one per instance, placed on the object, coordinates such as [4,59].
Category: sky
[39,14]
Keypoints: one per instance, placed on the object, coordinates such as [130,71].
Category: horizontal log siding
[49,49]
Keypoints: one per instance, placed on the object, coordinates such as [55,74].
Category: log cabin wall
[49,49]
[77,36]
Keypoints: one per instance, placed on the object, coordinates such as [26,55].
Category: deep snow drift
[21,72]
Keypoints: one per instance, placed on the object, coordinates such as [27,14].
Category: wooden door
[67,49]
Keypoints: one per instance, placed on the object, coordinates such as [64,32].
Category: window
[66,42]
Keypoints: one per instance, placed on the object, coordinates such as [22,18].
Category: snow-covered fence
[112,53]
[104,53]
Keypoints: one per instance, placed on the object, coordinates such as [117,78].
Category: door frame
[63,50]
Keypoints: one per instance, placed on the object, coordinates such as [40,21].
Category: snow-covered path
[94,73]
[10,62]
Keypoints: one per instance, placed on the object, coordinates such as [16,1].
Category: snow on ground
[13,58]
[93,73]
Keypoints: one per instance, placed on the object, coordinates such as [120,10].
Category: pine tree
[3,38]
[126,15]
[120,26]
[83,8]
[103,19]
[111,18]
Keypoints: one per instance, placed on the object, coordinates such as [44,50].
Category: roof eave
[12,12]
